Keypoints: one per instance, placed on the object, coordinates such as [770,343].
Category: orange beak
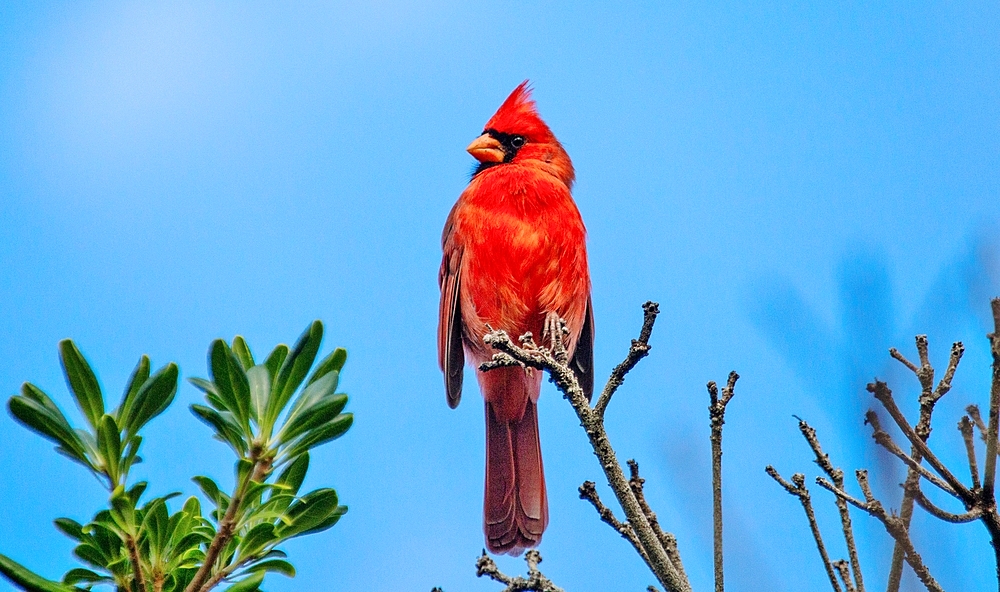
[486,148]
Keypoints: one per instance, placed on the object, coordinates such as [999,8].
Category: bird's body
[514,256]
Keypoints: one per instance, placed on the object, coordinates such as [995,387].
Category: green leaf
[275,359]
[226,428]
[332,519]
[312,415]
[295,473]
[192,507]
[230,381]
[203,385]
[242,351]
[41,419]
[321,435]
[274,565]
[25,579]
[70,528]
[135,492]
[36,394]
[243,468]
[152,399]
[248,585]
[258,538]
[79,574]
[110,446]
[139,377]
[82,382]
[332,363]
[308,513]
[211,490]
[131,455]
[260,392]
[294,369]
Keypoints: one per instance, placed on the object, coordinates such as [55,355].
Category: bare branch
[977,419]
[668,540]
[717,417]
[957,349]
[884,396]
[893,525]
[898,356]
[845,574]
[965,427]
[535,581]
[565,380]
[989,472]
[638,350]
[588,491]
[799,490]
[837,476]
[933,510]
[883,439]
[928,398]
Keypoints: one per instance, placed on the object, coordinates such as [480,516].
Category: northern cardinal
[515,259]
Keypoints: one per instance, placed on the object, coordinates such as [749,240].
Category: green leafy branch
[258,410]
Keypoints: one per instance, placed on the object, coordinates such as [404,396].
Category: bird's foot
[555,330]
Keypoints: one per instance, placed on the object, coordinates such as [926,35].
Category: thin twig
[535,581]
[588,491]
[799,490]
[883,439]
[837,476]
[922,501]
[893,525]
[989,472]
[668,540]
[844,570]
[717,418]
[638,350]
[965,427]
[884,396]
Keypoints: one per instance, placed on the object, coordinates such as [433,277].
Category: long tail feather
[515,506]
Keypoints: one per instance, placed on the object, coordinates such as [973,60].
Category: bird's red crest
[517,115]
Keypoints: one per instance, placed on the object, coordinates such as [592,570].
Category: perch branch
[799,490]
[717,417]
[530,355]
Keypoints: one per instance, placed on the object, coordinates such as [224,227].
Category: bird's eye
[517,141]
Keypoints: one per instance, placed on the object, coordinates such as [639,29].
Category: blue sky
[798,186]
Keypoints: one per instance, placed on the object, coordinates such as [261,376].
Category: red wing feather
[582,363]
[451,356]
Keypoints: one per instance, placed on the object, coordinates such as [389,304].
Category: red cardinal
[515,258]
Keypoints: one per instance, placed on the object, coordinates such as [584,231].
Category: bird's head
[516,134]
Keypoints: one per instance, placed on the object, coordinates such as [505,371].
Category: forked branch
[665,566]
